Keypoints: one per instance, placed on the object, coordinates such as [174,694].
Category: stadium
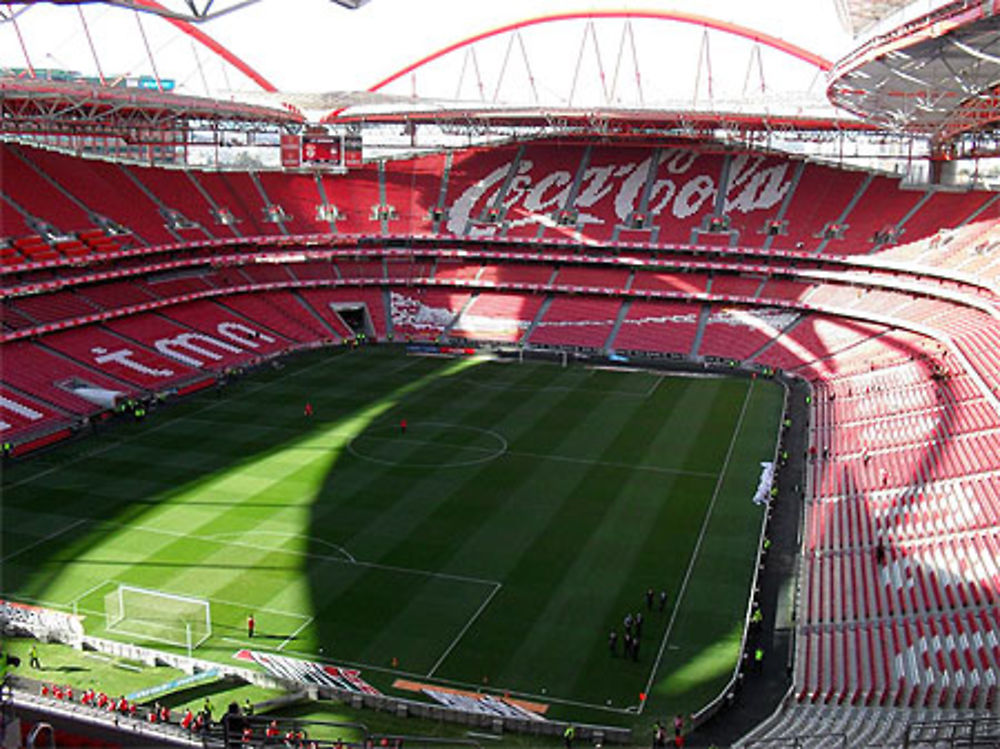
[394,373]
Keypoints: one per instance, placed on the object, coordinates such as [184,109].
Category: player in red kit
[309,409]
[402,426]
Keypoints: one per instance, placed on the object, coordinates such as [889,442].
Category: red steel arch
[660,15]
[204,39]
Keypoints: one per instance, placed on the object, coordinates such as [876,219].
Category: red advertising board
[291,151]
[352,150]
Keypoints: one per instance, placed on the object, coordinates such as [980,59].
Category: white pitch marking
[465,629]
[304,554]
[158,427]
[613,464]
[697,545]
[280,534]
[654,386]
[295,634]
[90,590]
[39,542]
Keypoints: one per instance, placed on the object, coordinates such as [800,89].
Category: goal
[168,618]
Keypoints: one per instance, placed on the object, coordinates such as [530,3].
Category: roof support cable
[149,52]
[20,39]
[90,42]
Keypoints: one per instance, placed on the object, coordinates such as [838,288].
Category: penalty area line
[465,629]
[697,547]
[296,633]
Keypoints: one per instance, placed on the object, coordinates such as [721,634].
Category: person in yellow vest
[568,735]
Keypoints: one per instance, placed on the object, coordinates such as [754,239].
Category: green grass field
[525,511]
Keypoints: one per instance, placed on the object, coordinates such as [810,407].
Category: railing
[726,692]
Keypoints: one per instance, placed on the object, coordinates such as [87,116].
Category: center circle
[428,444]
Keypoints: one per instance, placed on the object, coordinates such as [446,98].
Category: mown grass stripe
[599,496]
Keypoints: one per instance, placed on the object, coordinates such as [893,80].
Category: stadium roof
[860,15]
[40,107]
[194,11]
[936,75]
[748,66]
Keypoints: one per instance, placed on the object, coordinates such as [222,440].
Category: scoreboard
[319,150]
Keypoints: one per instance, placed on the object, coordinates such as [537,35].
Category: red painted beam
[200,36]
[745,32]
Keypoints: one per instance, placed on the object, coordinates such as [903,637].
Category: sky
[352,49]
[319,46]
[316,45]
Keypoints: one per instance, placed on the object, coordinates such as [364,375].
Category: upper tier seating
[34,194]
[949,209]
[175,190]
[575,192]
[413,189]
[474,183]
[105,189]
[531,201]
[821,197]
[299,197]
[235,195]
[356,197]
[881,207]
[12,224]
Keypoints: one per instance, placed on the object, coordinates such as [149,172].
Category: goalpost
[183,621]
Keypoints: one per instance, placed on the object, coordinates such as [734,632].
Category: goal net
[169,618]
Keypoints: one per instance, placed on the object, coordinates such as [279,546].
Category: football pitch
[494,543]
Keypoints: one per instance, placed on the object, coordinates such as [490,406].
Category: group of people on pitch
[632,626]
